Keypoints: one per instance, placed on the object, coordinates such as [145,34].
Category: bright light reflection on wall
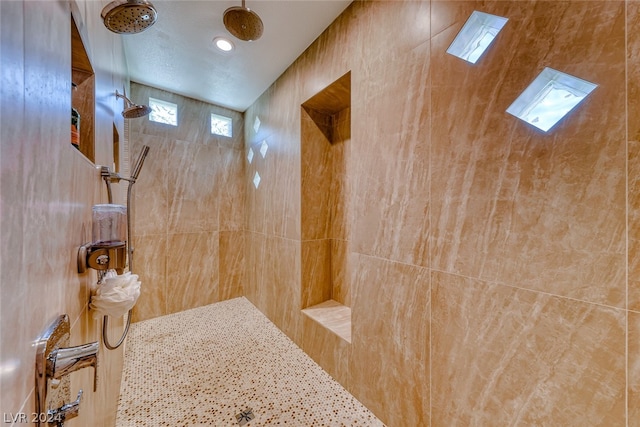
[476,35]
[551,96]
[163,112]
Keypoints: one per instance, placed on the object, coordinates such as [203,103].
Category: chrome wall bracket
[102,257]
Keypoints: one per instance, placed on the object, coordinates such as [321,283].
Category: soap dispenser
[107,251]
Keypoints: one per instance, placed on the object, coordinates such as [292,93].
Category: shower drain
[245,416]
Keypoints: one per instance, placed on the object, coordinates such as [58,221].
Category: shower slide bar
[110,177]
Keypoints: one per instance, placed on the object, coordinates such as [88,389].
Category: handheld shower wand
[139,163]
[109,177]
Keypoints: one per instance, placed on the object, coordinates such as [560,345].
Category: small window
[476,35]
[550,97]
[163,112]
[221,125]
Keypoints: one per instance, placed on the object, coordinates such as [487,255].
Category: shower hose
[105,320]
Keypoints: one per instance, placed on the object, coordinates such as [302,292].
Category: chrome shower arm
[127,101]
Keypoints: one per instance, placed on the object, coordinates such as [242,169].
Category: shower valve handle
[65,412]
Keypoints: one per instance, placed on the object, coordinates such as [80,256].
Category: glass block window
[221,125]
[550,97]
[476,35]
[163,112]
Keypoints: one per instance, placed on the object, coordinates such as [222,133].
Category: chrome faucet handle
[63,361]
[65,412]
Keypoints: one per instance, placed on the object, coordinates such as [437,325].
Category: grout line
[626,163]
[430,241]
[495,282]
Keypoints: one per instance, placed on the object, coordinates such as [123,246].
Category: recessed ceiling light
[223,44]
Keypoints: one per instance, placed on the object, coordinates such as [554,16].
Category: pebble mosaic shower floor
[226,364]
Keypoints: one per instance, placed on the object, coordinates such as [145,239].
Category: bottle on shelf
[75,128]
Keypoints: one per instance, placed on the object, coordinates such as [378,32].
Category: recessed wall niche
[325,134]
[82,94]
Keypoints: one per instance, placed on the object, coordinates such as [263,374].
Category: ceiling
[177,53]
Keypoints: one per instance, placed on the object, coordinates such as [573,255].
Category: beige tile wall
[189,208]
[487,261]
[491,268]
[47,189]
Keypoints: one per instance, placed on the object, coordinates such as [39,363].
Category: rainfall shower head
[243,23]
[131,110]
[129,16]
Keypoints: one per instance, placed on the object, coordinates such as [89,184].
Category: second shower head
[129,16]
[131,110]
[243,23]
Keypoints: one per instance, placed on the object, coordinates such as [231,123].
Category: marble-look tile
[633,148]
[434,159]
[389,160]
[231,189]
[150,264]
[341,272]
[98,407]
[14,324]
[316,281]
[193,187]
[512,204]
[341,186]
[254,286]
[232,264]
[43,205]
[273,280]
[191,183]
[257,117]
[47,190]
[274,206]
[332,315]
[633,294]
[315,179]
[327,349]
[633,366]
[194,119]
[508,356]
[282,269]
[389,364]
[408,20]
[190,282]
[633,72]
[150,193]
